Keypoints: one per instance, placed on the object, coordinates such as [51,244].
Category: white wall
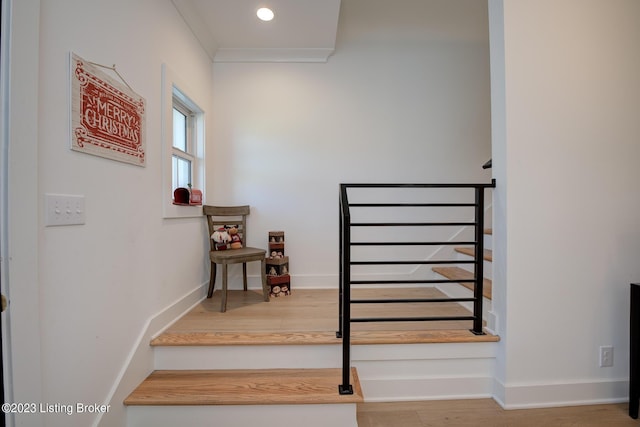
[101,282]
[569,136]
[405,98]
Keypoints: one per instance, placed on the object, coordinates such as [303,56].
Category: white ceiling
[229,30]
[306,30]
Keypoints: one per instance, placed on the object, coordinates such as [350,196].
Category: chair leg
[244,276]
[223,306]
[212,280]
[265,286]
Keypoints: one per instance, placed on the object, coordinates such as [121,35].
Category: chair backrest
[219,216]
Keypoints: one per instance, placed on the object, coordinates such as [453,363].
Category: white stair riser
[405,372]
[320,415]
[249,357]
[416,389]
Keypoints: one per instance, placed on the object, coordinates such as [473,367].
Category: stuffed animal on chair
[236,241]
[221,239]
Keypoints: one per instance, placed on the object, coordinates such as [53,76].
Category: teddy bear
[221,239]
[236,241]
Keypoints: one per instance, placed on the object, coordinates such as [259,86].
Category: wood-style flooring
[311,317]
[244,387]
[487,413]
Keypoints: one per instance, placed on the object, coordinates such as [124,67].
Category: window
[182,158]
[183,144]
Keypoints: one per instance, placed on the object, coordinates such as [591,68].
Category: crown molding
[273,55]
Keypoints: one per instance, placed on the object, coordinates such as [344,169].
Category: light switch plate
[63,209]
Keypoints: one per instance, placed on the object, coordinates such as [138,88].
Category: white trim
[20,210]
[140,361]
[273,55]
[170,80]
[548,395]
[5,89]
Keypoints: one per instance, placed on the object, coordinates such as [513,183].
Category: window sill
[180,211]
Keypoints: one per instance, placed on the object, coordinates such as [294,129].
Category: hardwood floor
[487,413]
[311,317]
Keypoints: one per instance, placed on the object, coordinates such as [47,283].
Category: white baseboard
[140,362]
[534,395]
[492,322]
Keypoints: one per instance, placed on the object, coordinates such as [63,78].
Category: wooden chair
[218,216]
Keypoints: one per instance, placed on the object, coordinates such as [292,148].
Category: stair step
[457,273]
[200,338]
[244,387]
[207,339]
[488,231]
[487,254]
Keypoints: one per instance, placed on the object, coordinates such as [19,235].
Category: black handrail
[345,263]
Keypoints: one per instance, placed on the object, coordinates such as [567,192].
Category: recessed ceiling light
[265,14]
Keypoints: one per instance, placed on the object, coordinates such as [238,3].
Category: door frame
[19,207]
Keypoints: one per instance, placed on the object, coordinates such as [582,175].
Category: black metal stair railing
[346,262]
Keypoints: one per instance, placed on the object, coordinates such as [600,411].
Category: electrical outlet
[63,209]
[606,356]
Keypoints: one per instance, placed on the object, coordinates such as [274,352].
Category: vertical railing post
[340,267]
[345,387]
[478,261]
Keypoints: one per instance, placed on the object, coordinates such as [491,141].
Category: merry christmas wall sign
[107,117]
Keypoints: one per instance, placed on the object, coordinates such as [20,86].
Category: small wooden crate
[276,237]
[276,243]
[279,285]
[277,266]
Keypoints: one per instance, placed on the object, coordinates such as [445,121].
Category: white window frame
[188,153]
[172,88]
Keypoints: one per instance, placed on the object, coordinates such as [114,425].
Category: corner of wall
[140,361]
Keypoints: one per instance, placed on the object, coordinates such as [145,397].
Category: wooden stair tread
[244,387]
[487,254]
[420,337]
[320,338]
[457,273]
[488,231]
[244,338]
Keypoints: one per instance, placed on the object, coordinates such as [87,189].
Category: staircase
[465,272]
[293,376]
[244,397]
[263,378]
[197,385]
